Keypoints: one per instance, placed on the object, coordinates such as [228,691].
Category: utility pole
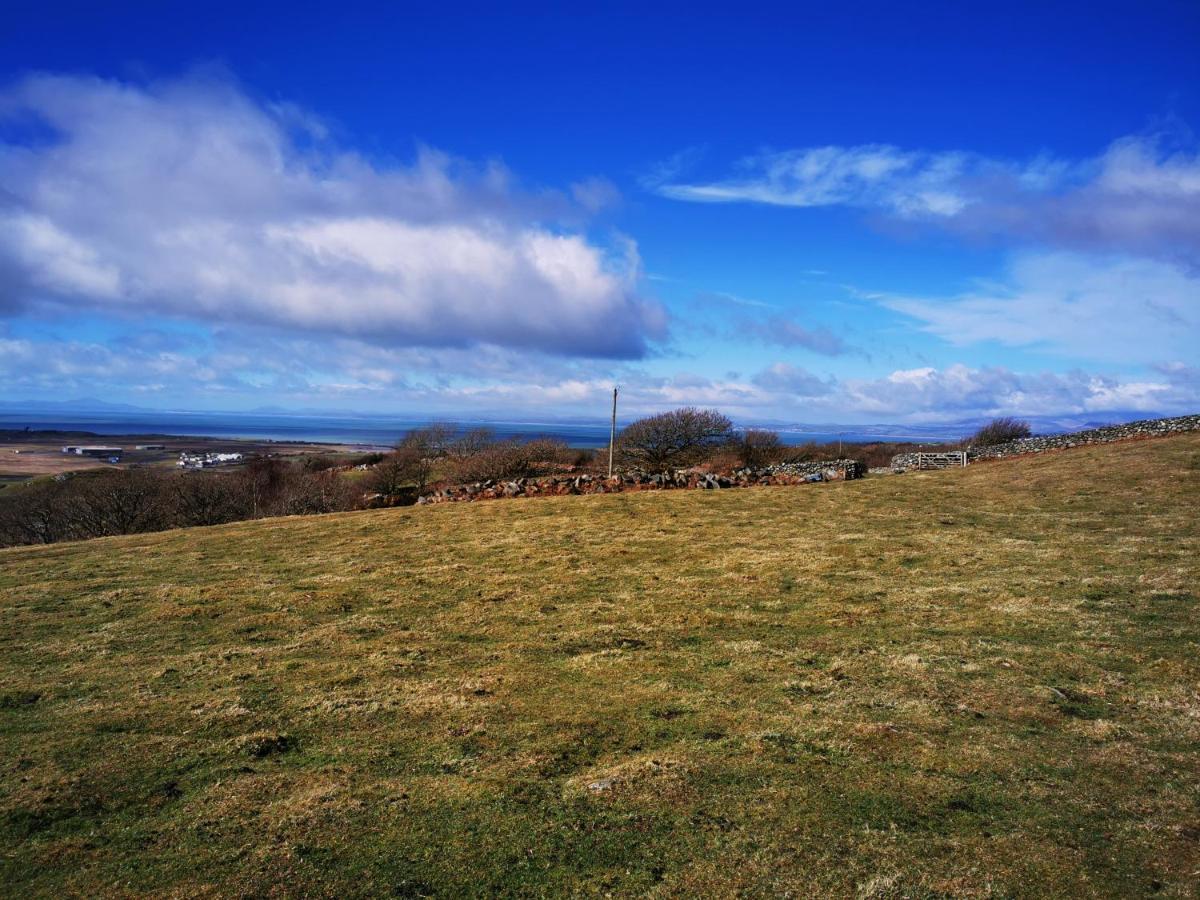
[612,434]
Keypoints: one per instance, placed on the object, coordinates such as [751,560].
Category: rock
[601,785]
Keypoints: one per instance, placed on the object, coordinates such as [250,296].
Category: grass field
[975,682]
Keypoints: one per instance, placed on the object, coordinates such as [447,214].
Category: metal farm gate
[951,460]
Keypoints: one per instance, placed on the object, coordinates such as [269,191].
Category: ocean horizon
[381,431]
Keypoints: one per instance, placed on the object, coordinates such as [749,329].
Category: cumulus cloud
[1113,309]
[188,198]
[1140,195]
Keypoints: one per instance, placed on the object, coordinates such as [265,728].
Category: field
[33,454]
[975,682]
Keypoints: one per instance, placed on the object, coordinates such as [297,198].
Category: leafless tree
[209,498]
[471,442]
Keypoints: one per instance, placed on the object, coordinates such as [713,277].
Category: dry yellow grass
[969,683]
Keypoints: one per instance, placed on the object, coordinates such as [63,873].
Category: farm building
[96,451]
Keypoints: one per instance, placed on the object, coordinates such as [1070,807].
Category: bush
[319,462]
[509,459]
[410,467]
[757,447]
[673,439]
[399,472]
[1000,431]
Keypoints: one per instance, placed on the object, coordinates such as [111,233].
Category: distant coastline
[369,432]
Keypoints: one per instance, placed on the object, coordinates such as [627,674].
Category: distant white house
[207,460]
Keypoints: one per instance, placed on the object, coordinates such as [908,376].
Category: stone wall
[1108,434]
[636,480]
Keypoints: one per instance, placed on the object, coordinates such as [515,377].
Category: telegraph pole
[612,434]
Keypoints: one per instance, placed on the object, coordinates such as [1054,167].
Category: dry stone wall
[1105,435]
[636,480]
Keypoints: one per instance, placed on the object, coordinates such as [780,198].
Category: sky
[876,213]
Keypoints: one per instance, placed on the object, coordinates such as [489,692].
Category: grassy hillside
[981,681]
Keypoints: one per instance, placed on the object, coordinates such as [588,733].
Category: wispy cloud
[188,198]
[866,176]
[781,331]
[1111,309]
[1140,195]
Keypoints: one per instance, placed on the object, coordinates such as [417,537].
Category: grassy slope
[836,688]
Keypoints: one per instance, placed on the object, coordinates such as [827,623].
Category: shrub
[1000,431]
[669,440]
[509,459]
[318,462]
[758,447]
[391,475]
[410,467]
[129,501]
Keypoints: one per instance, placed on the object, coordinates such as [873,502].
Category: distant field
[35,454]
[976,682]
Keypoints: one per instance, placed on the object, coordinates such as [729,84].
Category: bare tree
[120,502]
[209,498]
[672,439]
[37,513]
[471,442]
[391,475]
[417,454]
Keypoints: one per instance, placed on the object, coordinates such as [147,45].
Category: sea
[373,431]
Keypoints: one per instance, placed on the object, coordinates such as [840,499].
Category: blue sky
[791,213]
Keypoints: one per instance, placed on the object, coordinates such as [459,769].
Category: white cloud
[870,175]
[959,391]
[346,374]
[1139,196]
[1109,309]
[187,198]
[784,378]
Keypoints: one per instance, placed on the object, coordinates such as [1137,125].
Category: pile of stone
[637,480]
[1143,429]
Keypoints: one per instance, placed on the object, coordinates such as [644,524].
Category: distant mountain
[80,404]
